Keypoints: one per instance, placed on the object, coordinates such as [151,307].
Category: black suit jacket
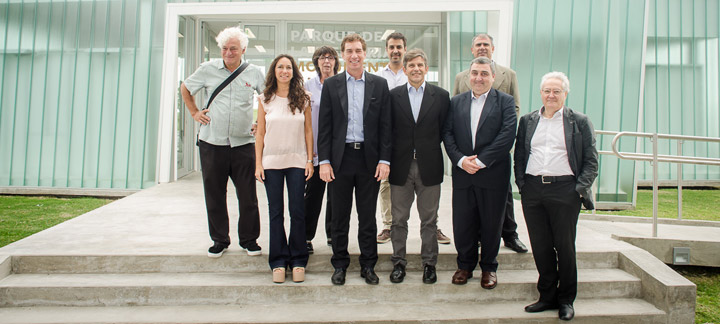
[493,141]
[580,145]
[423,136]
[333,121]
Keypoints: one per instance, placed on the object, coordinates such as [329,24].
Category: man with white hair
[227,145]
[556,163]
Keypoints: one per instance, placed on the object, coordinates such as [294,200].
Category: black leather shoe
[516,245]
[429,275]
[370,277]
[540,306]
[566,312]
[398,273]
[338,277]
[310,247]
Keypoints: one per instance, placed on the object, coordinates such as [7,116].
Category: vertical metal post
[655,184]
[679,181]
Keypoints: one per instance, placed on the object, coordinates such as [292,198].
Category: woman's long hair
[297,97]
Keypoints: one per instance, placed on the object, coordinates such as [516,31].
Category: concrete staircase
[613,287]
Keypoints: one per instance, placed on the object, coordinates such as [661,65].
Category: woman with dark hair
[326,62]
[284,146]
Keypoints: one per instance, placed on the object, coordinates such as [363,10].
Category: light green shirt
[231,112]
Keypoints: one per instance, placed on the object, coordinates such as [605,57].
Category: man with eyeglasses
[505,81]
[556,163]
[226,142]
[326,62]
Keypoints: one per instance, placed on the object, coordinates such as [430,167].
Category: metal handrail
[654,158]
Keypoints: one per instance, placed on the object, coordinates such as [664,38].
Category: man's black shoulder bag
[220,88]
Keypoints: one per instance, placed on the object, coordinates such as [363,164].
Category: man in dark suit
[505,81]
[354,148]
[478,135]
[418,115]
[556,163]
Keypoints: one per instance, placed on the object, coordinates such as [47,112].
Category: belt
[551,179]
[354,146]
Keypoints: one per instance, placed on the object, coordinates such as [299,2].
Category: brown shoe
[461,277]
[383,236]
[489,280]
[442,239]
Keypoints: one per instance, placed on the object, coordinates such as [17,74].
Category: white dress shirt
[393,79]
[548,153]
[476,107]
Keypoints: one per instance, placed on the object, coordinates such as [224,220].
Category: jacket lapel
[404,100]
[342,93]
[427,102]
[532,125]
[499,77]
[466,106]
[569,126]
[369,86]
[488,107]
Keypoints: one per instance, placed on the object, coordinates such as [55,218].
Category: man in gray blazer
[505,81]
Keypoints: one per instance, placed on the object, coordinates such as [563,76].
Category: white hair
[559,76]
[232,33]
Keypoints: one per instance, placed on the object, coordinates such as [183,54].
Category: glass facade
[599,45]
[79,92]
[682,88]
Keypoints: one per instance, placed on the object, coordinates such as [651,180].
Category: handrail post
[655,184]
[679,182]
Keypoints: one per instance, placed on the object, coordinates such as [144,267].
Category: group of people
[368,135]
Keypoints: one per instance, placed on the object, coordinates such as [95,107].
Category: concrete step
[610,310]
[237,261]
[164,289]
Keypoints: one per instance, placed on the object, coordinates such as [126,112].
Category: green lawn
[707,309]
[22,216]
[698,204]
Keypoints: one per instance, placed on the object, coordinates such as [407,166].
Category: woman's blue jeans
[286,251]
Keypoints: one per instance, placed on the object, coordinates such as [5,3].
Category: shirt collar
[349,77]
[558,114]
[484,95]
[421,89]
[387,68]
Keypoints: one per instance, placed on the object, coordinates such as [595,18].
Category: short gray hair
[232,33]
[483,35]
[483,60]
[413,54]
[558,76]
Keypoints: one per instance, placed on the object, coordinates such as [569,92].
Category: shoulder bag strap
[220,88]
[226,82]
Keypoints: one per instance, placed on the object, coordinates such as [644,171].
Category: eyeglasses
[326,58]
[556,92]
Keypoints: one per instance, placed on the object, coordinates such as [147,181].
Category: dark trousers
[354,175]
[314,192]
[218,163]
[551,213]
[478,210]
[509,228]
[286,251]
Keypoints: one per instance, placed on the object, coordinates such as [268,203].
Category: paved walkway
[169,219]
